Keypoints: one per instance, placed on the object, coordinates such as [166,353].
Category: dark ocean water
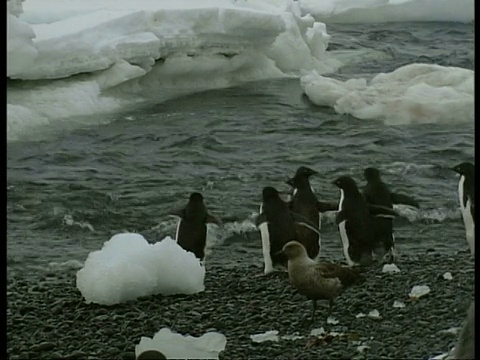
[69,192]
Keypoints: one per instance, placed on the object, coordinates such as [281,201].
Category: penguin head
[294,250]
[196,197]
[345,183]
[465,169]
[269,192]
[301,176]
[371,174]
[305,171]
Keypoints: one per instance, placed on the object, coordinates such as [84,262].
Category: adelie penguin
[276,223]
[305,202]
[466,196]
[192,227]
[354,220]
[376,192]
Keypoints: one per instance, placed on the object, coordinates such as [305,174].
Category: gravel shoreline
[48,319]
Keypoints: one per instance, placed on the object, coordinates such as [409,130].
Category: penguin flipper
[302,220]
[232,218]
[381,211]
[326,206]
[341,216]
[180,212]
[260,219]
[404,199]
[213,219]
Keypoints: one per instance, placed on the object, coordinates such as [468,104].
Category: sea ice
[128,267]
[390,269]
[177,346]
[419,291]
[271,335]
[414,93]
[448,276]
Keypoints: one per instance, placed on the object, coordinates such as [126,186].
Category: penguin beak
[289,182]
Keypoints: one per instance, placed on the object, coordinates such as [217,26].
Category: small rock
[22,310]
[44,346]
[448,276]
[129,355]
[77,354]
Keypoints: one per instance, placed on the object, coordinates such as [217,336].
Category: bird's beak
[334,182]
[289,182]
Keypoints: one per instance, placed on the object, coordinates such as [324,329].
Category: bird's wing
[302,220]
[381,211]
[326,206]
[404,199]
[260,219]
[213,219]
[341,216]
[180,212]
[345,274]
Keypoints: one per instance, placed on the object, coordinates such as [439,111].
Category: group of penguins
[289,224]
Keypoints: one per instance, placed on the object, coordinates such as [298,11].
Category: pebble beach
[47,318]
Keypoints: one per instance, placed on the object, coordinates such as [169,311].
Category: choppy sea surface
[73,187]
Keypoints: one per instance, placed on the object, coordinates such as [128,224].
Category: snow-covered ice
[106,56]
[100,57]
[128,267]
[414,93]
[178,346]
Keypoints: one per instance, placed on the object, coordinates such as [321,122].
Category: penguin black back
[353,220]
[192,227]
[276,223]
[304,202]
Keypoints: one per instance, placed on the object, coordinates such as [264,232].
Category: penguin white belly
[469,227]
[265,235]
[178,229]
[267,260]
[467,217]
[343,233]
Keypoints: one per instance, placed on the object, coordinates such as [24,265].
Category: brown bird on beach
[465,348]
[317,280]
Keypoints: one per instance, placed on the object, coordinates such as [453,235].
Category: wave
[374,11]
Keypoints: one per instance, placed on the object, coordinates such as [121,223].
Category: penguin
[191,232]
[466,196]
[276,223]
[305,202]
[376,192]
[354,220]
